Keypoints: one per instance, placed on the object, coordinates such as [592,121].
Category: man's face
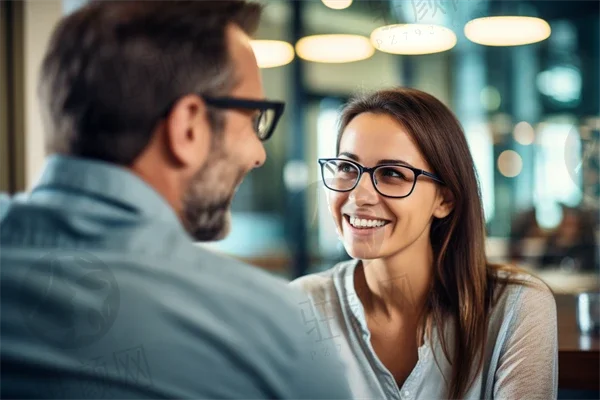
[234,151]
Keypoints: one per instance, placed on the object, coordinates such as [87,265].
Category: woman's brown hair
[465,284]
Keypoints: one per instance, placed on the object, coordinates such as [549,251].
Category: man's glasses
[390,180]
[265,121]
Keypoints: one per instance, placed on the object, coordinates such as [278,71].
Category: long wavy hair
[464,284]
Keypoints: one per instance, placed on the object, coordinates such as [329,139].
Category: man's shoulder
[250,288]
[4,204]
[7,201]
[256,304]
[240,273]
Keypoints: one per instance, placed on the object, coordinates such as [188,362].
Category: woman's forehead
[373,137]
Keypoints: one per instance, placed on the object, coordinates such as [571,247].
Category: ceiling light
[510,163]
[524,133]
[507,31]
[413,39]
[272,53]
[337,4]
[490,98]
[562,83]
[334,48]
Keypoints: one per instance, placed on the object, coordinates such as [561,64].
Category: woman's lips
[363,231]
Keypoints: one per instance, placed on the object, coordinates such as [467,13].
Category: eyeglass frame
[250,104]
[227,102]
[370,170]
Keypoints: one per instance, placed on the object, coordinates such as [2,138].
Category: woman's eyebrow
[349,155]
[383,161]
[392,161]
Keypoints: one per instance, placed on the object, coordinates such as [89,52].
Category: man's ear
[188,133]
[445,203]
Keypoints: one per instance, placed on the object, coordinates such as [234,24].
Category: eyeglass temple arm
[432,176]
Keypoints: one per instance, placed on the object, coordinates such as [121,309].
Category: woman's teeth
[366,223]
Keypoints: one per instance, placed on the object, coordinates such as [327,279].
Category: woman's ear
[444,203]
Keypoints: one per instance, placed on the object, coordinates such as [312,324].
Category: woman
[419,312]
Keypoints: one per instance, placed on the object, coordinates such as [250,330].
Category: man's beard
[206,205]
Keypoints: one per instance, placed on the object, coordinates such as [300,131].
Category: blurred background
[530,111]
[527,95]
[526,91]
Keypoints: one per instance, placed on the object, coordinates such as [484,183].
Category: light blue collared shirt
[520,356]
[103,294]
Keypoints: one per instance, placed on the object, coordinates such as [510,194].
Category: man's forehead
[249,81]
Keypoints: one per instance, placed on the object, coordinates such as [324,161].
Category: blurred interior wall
[12,177]
[40,18]
[26,28]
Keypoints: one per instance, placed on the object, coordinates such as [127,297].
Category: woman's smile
[362,225]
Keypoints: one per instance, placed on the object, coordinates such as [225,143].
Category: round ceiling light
[334,48]
[413,39]
[337,4]
[272,53]
[507,30]
[510,163]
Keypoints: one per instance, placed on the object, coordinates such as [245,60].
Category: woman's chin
[363,251]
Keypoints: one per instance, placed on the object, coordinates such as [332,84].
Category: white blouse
[520,359]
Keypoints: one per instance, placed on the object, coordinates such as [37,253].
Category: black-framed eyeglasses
[390,180]
[265,121]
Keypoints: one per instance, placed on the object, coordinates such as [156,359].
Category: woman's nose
[364,192]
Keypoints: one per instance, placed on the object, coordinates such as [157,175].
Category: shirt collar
[111,182]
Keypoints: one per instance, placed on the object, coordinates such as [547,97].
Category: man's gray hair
[113,69]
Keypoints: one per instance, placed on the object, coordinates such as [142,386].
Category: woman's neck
[396,286]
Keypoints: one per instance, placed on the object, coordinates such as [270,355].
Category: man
[154,113]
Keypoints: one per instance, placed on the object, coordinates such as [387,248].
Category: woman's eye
[390,173]
[345,167]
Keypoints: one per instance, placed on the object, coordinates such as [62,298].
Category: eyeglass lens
[395,181]
[263,122]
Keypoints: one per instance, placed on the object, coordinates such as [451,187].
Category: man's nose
[259,155]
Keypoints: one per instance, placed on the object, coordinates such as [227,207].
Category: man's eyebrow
[382,161]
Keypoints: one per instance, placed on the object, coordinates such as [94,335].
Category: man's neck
[153,167]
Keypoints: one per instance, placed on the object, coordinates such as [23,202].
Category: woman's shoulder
[321,283]
[518,280]
[522,326]
[519,293]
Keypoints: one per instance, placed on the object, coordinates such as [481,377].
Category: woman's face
[368,139]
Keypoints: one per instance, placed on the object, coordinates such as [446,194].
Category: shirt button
[406,393]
